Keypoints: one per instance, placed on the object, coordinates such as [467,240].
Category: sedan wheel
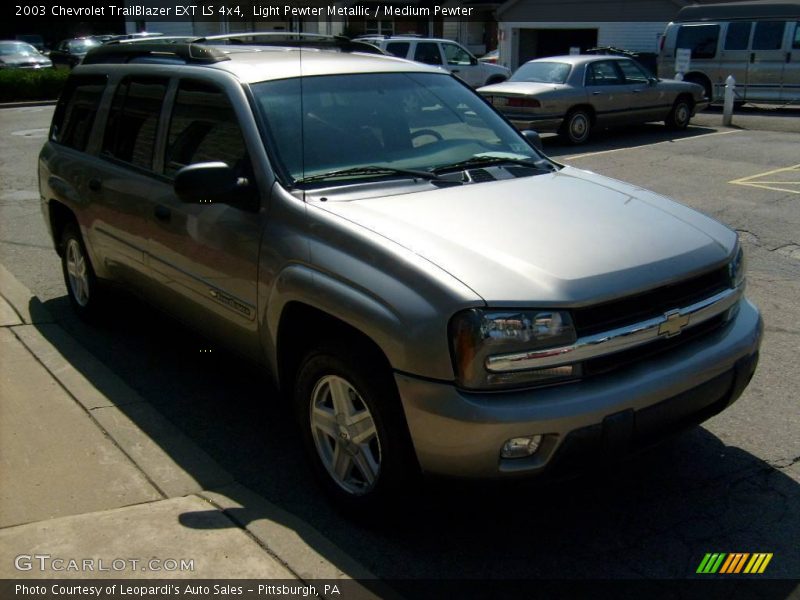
[680,115]
[577,127]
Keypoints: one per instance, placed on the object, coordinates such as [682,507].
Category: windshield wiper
[368,170]
[541,164]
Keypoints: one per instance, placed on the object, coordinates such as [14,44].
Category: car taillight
[523,103]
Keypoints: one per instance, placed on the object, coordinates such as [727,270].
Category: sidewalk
[80,479]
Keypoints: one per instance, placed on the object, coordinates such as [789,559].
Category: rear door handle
[95,185]
[163,213]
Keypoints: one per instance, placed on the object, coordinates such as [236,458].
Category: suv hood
[566,238]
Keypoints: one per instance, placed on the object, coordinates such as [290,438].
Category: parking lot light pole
[727,107]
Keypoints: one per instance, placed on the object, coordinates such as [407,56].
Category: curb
[157,447]
[29,103]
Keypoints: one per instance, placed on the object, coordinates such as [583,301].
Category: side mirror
[533,138]
[652,81]
[206,182]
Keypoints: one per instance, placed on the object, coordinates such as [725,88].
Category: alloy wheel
[345,436]
[77,272]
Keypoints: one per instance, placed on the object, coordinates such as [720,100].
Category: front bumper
[458,433]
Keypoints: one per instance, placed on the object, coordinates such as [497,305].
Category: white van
[756,42]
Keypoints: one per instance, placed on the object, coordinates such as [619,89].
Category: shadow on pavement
[621,137]
[652,517]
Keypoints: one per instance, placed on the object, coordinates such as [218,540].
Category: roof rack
[291,39]
[758,9]
[116,52]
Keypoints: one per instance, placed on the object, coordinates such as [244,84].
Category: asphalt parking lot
[732,485]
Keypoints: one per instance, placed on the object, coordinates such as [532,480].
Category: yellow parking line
[672,141]
[769,187]
[754,181]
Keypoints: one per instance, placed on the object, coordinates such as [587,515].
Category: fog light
[520,447]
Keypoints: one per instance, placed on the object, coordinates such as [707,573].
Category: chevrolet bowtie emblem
[673,324]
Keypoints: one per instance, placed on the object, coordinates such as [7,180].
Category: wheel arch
[701,79]
[302,326]
[60,216]
[583,106]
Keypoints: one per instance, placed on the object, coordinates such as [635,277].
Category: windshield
[542,72]
[400,121]
[17,48]
[78,46]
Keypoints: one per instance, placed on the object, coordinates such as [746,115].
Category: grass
[22,84]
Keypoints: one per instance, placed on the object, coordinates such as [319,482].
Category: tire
[680,115]
[577,127]
[79,277]
[353,428]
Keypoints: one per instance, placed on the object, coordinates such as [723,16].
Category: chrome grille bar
[619,339]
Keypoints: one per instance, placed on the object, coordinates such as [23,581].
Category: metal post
[727,107]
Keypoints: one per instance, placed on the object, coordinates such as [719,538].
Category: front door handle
[162,213]
[95,185]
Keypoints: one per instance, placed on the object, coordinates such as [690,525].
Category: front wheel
[577,127]
[353,427]
[680,115]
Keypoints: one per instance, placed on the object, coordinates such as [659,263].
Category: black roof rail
[115,52]
[291,39]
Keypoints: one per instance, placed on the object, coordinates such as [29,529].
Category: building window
[382,27]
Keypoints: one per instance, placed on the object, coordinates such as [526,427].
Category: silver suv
[431,292]
[443,53]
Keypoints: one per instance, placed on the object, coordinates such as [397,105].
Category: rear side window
[796,41]
[603,73]
[768,35]
[133,120]
[738,36]
[74,115]
[700,39]
[428,53]
[399,49]
[204,128]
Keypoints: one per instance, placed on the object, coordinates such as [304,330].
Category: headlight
[736,268]
[477,335]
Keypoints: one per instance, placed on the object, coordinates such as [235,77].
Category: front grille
[610,362]
[646,305]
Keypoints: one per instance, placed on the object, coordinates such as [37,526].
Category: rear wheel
[577,126]
[353,427]
[79,277]
[680,115]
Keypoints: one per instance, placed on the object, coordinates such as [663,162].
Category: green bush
[23,84]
